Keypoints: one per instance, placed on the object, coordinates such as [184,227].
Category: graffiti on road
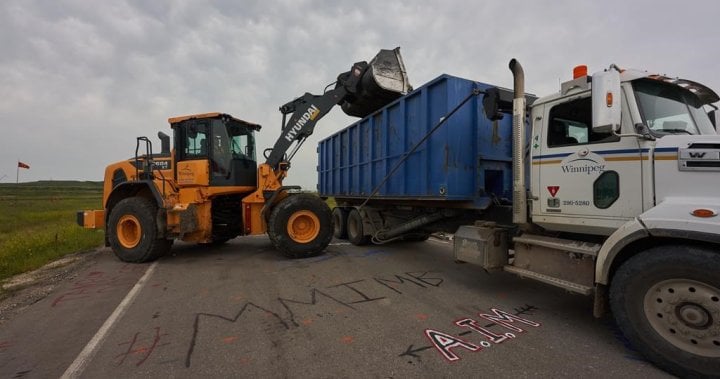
[97,282]
[444,343]
[141,348]
[347,295]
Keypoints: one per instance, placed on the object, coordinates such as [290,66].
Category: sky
[81,79]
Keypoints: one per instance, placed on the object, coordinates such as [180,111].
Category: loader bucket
[384,81]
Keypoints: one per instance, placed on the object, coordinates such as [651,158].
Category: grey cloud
[79,80]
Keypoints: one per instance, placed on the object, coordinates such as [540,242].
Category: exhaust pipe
[518,131]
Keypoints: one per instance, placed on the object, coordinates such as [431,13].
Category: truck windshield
[670,109]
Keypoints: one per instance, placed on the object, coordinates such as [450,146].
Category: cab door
[588,182]
[192,151]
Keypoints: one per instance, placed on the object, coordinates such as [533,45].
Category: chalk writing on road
[141,348]
[347,295]
[97,282]
[444,343]
[5,344]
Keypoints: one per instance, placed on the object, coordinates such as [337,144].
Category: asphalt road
[242,310]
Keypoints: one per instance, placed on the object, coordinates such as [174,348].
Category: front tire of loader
[132,231]
[300,226]
[666,301]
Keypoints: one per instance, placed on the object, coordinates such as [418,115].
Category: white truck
[614,195]
[622,204]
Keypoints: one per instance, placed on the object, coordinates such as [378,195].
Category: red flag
[23,165]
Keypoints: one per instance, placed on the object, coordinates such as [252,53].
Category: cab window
[242,143]
[570,123]
[221,150]
[196,140]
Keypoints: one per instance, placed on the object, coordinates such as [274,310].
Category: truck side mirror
[606,101]
[713,118]
[491,104]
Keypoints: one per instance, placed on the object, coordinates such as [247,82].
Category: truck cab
[623,206]
[591,181]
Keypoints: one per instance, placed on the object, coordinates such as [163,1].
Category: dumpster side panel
[466,160]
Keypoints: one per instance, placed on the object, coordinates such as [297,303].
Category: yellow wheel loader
[209,188]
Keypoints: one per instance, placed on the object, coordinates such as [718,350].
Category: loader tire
[132,231]
[339,216]
[666,301]
[355,229]
[300,226]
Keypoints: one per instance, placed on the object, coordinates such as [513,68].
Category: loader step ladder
[563,263]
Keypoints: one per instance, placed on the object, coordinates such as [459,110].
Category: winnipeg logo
[588,164]
[309,115]
[697,155]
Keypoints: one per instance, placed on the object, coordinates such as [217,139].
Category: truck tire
[355,231]
[300,226]
[339,216]
[666,300]
[132,231]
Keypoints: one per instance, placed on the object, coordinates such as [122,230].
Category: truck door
[588,182]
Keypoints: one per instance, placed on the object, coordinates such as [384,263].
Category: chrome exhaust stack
[520,210]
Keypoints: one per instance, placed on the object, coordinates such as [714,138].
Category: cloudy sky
[80,79]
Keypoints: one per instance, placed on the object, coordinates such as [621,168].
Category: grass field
[37,223]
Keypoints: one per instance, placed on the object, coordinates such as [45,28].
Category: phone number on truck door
[577,203]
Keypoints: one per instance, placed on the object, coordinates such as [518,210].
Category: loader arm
[360,91]
[306,111]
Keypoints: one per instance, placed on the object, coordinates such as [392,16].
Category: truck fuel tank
[384,81]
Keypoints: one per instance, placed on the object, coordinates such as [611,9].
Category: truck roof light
[704,213]
[580,71]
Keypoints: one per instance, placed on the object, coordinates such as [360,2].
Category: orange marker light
[704,213]
[609,99]
[579,71]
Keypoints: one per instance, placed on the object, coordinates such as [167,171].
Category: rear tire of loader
[132,231]
[339,216]
[300,226]
[355,230]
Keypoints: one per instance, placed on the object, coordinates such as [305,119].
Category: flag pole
[17,176]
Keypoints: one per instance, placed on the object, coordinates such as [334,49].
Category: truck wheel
[666,301]
[355,231]
[300,226]
[132,231]
[339,216]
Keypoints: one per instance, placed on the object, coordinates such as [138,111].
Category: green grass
[37,223]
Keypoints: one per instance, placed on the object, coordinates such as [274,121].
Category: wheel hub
[694,315]
[686,313]
[303,226]
[129,231]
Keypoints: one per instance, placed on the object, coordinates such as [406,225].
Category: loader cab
[215,149]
